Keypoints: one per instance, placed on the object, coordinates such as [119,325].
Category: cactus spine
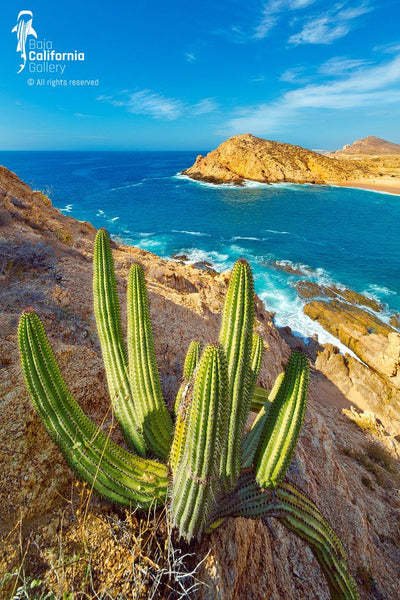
[236,339]
[145,381]
[283,424]
[195,480]
[106,308]
[114,473]
[213,471]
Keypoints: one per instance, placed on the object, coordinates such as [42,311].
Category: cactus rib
[191,361]
[300,514]
[106,308]
[145,381]
[282,427]
[195,480]
[252,438]
[236,339]
[110,470]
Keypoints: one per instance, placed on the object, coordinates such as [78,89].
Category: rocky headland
[50,533]
[246,157]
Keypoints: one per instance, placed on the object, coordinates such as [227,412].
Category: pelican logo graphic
[23,28]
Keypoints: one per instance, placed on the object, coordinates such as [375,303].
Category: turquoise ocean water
[332,235]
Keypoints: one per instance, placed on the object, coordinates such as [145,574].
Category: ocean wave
[205,183]
[67,209]
[289,312]
[359,189]
[191,232]
[245,237]
[125,187]
[377,291]
[279,232]
[218,260]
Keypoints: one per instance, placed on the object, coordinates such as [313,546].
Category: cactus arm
[236,339]
[252,438]
[195,480]
[114,473]
[106,308]
[283,425]
[258,399]
[257,352]
[300,514]
[191,362]
[145,381]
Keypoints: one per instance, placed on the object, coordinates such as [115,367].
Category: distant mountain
[370,145]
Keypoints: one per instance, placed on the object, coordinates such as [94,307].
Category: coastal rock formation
[309,289]
[369,145]
[47,520]
[249,157]
[373,341]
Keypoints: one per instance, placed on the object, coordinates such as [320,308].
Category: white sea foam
[377,291]
[218,260]
[289,312]
[359,189]
[191,232]
[204,183]
[246,183]
[280,232]
[244,237]
[125,187]
[113,219]
[67,209]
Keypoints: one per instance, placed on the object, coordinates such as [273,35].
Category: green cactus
[212,469]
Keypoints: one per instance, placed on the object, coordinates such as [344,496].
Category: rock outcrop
[369,145]
[47,522]
[373,341]
[249,157]
[374,383]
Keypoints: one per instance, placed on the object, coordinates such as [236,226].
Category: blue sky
[182,75]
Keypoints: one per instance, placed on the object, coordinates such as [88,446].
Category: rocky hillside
[249,157]
[369,145]
[54,535]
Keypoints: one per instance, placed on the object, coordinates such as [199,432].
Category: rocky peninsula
[54,532]
[246,157]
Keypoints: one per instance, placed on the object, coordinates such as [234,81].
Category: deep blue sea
[333,235]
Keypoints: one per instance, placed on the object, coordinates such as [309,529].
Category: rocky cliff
[249,157]
[369,145]
[55,536]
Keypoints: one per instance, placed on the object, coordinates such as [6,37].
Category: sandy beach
[384,184]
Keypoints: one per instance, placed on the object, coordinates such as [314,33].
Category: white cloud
[147,102]
[340,66]
[204,107]
[328,27]
[294,75]
[369,86]
[257,79]
[269,13]
[390,48]
[190,57]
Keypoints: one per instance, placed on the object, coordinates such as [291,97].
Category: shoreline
[386,187]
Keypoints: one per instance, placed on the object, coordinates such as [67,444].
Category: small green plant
[207,468]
